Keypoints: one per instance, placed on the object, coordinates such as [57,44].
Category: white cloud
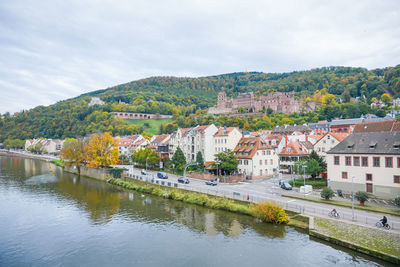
[52,50]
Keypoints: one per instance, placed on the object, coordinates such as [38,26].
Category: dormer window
[289,149]
[372,145]
[396,145]
[350,146]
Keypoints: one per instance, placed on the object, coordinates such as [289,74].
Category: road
[269,190]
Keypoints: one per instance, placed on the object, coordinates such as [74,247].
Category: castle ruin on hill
[283,102]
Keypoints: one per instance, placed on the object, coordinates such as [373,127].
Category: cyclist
[383,220]
[335,213]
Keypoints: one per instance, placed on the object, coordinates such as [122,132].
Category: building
[47,146]
[283,102]
[256,158]
[128,144]
[139,116]
[368,161]
[347,125]
[380,126]
[294,151]
[95,101]
[327,142]
[321,125]
[194,140]
[226,138]
[160,143]
[290,129]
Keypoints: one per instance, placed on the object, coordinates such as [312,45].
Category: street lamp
[352,198]
[187,165]
[304,172]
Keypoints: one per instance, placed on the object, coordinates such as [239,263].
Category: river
[52,218]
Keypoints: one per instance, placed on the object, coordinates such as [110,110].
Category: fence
[295,207]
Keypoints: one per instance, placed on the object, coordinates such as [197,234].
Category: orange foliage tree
[102,151]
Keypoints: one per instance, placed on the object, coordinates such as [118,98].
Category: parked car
[183,180]
[162,175]
[143,171]
[211,182]
[286,186]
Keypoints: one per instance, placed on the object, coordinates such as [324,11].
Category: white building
[256,158]
[327,142]
[226,138]
[48,146]
[96,101]
[194,140]
[372,158]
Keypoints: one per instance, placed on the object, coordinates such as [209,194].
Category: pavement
[268,189]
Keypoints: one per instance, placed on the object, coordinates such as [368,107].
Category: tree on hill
[178,159]
[13,143]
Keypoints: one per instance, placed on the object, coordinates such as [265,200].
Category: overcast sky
[51,50]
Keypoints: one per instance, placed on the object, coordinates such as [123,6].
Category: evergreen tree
[319,159]
[179,159]
[200,161]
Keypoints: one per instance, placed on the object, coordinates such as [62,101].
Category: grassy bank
[315,183]
[268,212]
[59,163]
[151,125]
[378,209]
[378,243]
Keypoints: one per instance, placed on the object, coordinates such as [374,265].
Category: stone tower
[221,100]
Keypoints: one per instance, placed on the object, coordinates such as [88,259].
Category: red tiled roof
[222,131]
[295,149]
[339,136]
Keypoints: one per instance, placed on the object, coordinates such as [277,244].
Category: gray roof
[291,128]
[347,121]
[366,118]
[369,143]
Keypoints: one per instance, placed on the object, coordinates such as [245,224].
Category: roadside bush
[327,193]
[362,196]
[397,201]
[269,211]
[313,183]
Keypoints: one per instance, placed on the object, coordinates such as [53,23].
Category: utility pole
[352,198]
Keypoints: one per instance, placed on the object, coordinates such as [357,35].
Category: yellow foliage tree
[328,99]
[386,98]
[246,125]
[74,153]
[102,151]
[287,121]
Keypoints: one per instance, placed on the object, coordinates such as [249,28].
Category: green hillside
[183,97]
[150,125]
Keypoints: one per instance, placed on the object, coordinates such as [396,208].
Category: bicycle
[380,225]
[334,214]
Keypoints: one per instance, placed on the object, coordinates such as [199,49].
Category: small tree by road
[178,159]
[327,193]
[227,161]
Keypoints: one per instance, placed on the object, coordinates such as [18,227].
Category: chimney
[285,140]
[306,138]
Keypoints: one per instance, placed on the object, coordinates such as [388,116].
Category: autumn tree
[146,155]
[74,153]
[102,151]
[386,98]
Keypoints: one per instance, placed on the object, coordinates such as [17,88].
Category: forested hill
[185,96]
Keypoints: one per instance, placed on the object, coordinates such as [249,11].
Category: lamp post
[187,165]
[217,163]
[304,172]
[352,198]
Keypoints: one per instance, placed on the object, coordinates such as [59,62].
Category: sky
[51,50]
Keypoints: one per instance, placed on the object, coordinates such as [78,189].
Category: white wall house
[256,159]
[50,146]
[373,159]
[329,141]
[226,138]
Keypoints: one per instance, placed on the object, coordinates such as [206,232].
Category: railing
[318,211]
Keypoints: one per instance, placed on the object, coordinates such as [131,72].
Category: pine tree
[200,161]
[179,159]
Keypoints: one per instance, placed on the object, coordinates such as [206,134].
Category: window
[398,162]
[344,175]
[323,149]
[336,160]
[266,162]
[364,161]
[272,162]
[356,161]
[260,172]
[240,162]
[368,177]
[246,162]
[263,152]
[324,141]
[369,188]
[329,137]
[333,141]
[319,149]
[289,149]
[348,161]
[376,162]
[396,179]
[260,161]
[389,162]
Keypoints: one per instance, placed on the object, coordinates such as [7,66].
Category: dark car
[211,182]
[162,175]
[286,186]
[183,180]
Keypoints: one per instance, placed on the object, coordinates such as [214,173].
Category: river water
[52,218]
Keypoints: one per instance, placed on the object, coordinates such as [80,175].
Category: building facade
[368,162]
[256,158]
[327,142]
[226,138]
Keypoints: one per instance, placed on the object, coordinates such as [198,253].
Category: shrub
[327,193]
[269,211]
[362,196]
[397,201]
